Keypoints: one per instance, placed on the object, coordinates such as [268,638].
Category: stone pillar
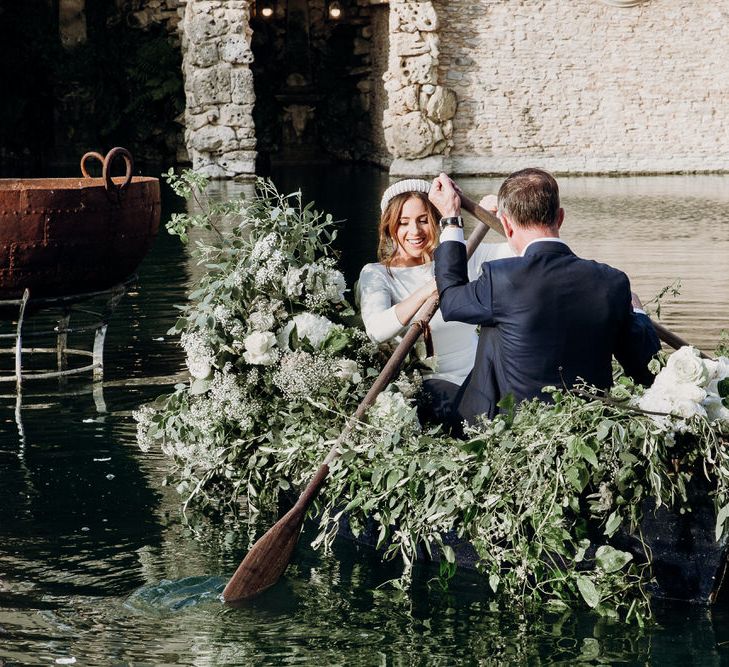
[72,22]
[219,134]
[418,121]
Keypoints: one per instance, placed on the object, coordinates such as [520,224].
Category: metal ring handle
[86,156]
[106,171]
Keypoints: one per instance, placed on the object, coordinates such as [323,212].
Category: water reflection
[85,520]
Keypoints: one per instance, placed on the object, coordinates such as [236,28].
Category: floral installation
[278,361]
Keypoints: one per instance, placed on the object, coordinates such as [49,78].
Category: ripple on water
[170,596]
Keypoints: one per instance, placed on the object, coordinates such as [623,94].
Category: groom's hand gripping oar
[268,558]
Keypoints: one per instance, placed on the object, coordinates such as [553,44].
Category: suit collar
[546,244]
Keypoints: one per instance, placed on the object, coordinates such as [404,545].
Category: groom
[547,316]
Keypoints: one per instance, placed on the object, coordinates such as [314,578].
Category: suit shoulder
[607,271]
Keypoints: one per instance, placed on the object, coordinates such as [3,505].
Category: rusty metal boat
[61,236]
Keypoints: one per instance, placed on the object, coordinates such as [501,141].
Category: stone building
[466,86]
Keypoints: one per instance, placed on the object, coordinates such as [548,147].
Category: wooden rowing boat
[62,236]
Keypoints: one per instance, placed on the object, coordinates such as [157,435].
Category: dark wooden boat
[687,562]
[63,236]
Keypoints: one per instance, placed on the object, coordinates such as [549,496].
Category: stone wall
[583,86]
[378,99]
[219,133]
[146,13]
[419,119]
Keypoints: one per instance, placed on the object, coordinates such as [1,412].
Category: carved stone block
[236,49]
[442,105]
[418,69]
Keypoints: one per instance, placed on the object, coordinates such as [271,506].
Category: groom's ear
[508,227]
[560,217]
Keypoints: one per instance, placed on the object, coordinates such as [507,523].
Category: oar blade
[266,561]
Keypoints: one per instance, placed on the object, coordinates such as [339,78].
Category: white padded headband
[401,187]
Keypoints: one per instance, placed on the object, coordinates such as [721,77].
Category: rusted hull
[69,235]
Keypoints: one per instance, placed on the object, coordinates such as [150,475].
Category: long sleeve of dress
[376,304]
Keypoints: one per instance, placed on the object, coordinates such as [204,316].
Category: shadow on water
[96,563]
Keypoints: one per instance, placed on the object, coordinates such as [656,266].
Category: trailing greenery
[279,361]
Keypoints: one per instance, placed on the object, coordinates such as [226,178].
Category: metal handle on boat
[86,156]
[106,171]
[106,162]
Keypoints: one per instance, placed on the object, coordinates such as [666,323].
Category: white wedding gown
[379,291]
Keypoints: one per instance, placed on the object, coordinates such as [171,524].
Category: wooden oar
[671,339]
[268,558]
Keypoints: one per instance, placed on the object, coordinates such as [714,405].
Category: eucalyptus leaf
[588,591]
[610,559]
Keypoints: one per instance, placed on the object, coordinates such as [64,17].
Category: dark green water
[97,565]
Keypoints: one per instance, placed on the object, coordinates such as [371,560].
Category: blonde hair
[388,244]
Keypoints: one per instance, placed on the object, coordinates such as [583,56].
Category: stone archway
[307,93]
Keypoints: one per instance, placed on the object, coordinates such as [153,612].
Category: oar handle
[673,340]
[481,214]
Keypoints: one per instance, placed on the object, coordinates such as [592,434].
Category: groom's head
[529,198]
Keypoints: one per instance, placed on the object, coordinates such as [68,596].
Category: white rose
[199,367]
[687,366]
[687,409]
[259,348]
[715,409]
[721,368]
[314,328]
[348,370]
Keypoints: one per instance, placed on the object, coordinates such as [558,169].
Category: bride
[390,292]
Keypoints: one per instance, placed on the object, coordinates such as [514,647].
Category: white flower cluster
[392,413]
[144,418]
[230,400]
[302,375]
[264,248]
[260,348]
[688,386]
[409,387]
[200,355]
[262,320]
[324,284]
[348,370]
[310,327]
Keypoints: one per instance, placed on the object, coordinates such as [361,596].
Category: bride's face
[413,234]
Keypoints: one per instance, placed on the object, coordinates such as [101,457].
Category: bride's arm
[384,320]
[408,307]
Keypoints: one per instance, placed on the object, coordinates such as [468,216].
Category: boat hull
[72,235]
[687,562]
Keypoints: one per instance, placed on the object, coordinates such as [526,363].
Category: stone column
[418,121]
[72,22]
[219,134]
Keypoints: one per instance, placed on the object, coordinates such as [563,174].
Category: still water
[98,567]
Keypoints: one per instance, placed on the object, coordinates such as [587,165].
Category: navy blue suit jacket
[547,318]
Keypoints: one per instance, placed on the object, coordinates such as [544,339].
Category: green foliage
[673,290]
[278,363]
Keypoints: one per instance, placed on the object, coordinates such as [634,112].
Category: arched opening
[81,75]
[313,75]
